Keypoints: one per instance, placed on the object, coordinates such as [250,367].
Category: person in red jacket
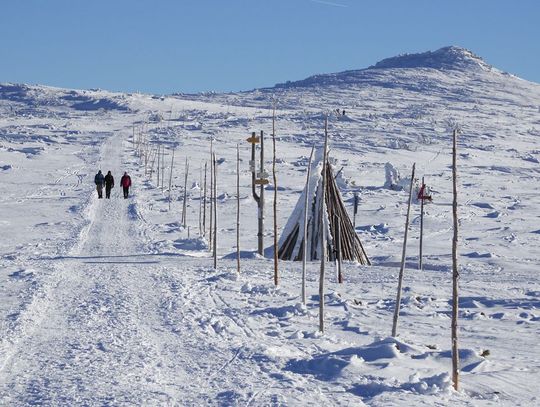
[126,183]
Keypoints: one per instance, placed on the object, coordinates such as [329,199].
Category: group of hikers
[107,181]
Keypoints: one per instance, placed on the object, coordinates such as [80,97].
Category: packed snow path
[115,326]
[94,339]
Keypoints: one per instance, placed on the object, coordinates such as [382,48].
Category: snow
[445,58]
[114,302]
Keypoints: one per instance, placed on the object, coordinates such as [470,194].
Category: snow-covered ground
[113,302]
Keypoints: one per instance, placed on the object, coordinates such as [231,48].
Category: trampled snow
[116,302]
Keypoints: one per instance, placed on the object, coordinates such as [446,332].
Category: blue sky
[165,46]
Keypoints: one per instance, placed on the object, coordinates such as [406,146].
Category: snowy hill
[447,58]
[444,59]
[115,302]
[40,96]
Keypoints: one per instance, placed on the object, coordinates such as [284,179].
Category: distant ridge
[444,59]
[451,57]
[84,100]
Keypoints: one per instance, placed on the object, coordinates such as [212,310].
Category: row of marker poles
[455,269]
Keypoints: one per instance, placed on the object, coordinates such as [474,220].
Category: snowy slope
[115,303]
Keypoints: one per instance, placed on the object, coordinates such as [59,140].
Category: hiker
[109,184]
[99,179]
[126,183]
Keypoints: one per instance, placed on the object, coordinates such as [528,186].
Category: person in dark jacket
[126,183]
[99,180]
[109,184]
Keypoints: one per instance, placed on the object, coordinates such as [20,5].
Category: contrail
[329,3]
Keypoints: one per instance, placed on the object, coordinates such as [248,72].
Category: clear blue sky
[165,46]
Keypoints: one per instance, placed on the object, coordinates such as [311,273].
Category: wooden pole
[258,179]
[337,239]
[158,162]
[152,165]
[146,157]
[323,229]
[162,167]
[455,271]
[355,210]
[421,227]
[237,208]
[170,179]
[403,254]
[215,212]
[137,142]
[211,226]
[184,204]
[276,272]
[141,140]
[204,201]
[256,197]
[305,247]
[200,201]
[260,235]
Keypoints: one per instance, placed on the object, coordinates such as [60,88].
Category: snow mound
[452,57]
[244,254]
[191,244]
[283,312]
[329,366]
[369,387]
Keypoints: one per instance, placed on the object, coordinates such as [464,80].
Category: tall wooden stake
[204,201]
[158,162]
[259,198]
[200,201]
[337,239]
[355,210]
[305,248]
[403,254]
[146,159]
[455,271]
[152,165]
[421,227]
[260,235]
[184,204]
[237,208]
[170,179]
[162,168]
[211,226]
[215,211]
[276,272]
[323,229]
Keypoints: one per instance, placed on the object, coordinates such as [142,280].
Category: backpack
[99,179]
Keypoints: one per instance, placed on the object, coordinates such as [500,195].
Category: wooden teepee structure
[336,220]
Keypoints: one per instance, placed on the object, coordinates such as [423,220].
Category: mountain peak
[446,58]
[450,57]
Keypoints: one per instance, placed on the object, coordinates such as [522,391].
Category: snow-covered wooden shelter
[339,228]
